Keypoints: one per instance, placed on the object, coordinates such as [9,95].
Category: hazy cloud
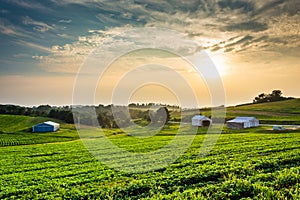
[68,57]
[21,55]
[243,6]
[66,36]
[34,46]
[9,29]
[67,21]
[3,11]
[28,4]
[38,26]
[247,26]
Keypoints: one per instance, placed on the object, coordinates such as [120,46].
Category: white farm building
[200,120]
[48,126]
[242,122]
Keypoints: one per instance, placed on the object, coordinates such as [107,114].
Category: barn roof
[242,119]
[238,120]
[200,117]
[246,118]
[51,123]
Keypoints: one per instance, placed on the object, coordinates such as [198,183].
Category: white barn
[48,126]
[200,120]
[242,122]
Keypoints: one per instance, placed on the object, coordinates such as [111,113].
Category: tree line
[63,113]
[109,116]
[275,95]
[120,116]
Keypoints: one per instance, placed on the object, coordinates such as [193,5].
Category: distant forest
[142,113]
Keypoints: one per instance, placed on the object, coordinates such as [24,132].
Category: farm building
[200,120]
[48,126]
[242,122]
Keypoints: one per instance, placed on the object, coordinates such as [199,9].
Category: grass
[255,163]
[15,130]
[286,107]
[16,123]
[242,165]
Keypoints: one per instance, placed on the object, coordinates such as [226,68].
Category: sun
[220,62]
[212,64]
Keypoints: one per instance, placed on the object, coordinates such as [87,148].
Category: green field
[255,163]
[16,130]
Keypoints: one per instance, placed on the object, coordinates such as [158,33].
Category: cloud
[253,26]
[34,46]
[67,58]
[234,44]
[268,6]
[66,36]
[28,4]
[244,6]
[11,30]
[21,55]
[36,57]
[243,40]
[7,30]
[231,26]
[38,26]
[284,26]
[3,11]
[81,2]
[67,21]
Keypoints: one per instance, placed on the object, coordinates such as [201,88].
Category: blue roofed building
[48,126]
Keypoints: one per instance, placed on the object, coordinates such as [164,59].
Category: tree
[43,110]
[104,122]
[260,98]
[276,95]
[161,116]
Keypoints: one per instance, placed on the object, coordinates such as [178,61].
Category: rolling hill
[15,130]
[280,112]
[16,123]
[287,107]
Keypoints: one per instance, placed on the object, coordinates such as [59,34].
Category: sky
[44,45]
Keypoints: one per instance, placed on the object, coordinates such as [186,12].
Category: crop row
[240,166]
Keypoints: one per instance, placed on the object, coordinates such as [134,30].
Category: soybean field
[252,164]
